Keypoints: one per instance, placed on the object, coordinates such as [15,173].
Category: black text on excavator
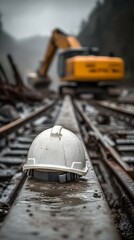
[82,69]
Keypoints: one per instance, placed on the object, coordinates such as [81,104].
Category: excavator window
[68,54]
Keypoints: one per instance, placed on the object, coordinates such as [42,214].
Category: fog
[26,18]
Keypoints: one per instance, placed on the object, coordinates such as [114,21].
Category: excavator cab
[73,52]
[69,53]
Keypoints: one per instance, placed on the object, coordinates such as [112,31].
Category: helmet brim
[48,168]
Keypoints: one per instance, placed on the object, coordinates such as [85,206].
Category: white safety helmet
[56,154]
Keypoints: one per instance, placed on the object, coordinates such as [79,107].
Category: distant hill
[26,52]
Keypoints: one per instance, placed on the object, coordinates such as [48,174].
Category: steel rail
[103,141]
[14,125]
[114,108]
[122,177]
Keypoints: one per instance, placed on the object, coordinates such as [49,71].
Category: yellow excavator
[81,68]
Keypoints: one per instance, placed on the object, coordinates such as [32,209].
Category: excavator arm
[59,39]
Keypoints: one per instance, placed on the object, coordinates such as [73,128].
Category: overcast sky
[24,18]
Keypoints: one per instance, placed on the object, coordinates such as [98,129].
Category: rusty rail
[117,109]
[123,178]
[13,126]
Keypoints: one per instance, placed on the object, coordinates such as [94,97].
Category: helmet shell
[57,149]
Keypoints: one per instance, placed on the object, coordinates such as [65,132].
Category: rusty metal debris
[18,91]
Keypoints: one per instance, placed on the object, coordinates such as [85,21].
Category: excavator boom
[59,39]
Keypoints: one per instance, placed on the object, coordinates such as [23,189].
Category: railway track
[109,138]
[16,138]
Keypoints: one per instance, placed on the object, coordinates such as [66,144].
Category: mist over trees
[110,27]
